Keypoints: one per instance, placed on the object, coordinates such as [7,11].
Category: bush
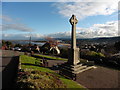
[93,53]
[63,53]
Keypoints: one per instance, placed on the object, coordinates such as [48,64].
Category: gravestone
[73,65]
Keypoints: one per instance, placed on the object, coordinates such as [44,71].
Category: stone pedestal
[73,56]
[70,71]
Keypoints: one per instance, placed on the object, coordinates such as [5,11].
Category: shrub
[93,53]
[63,53]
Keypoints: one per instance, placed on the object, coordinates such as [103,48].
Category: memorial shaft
[74,51]
[73,36]
[73,22]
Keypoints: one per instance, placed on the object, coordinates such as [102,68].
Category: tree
[8,43]
[18,45]
[117,45]
[3,42]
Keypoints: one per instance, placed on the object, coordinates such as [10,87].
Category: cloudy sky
[42,19]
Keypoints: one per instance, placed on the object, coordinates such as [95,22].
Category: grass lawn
[50,57]
[28,63]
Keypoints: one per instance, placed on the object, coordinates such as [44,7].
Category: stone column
[73,58]
[73,22]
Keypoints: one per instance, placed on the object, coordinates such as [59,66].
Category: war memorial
[74,65]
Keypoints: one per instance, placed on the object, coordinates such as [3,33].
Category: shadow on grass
[30,64]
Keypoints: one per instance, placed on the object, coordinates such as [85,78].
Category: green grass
[31,64]
[71,84]
[28,63]
[50,57]
[26,59]
[93,53]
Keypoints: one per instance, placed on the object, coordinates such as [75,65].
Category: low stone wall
[9,71]
[19,65]
[11,53]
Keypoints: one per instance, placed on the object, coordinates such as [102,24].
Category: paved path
[54,62]
[100,77]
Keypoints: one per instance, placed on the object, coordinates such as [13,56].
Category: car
[17,49]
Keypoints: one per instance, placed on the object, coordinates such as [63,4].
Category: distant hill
[82,40]
[102,40]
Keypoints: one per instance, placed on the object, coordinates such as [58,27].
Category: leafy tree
[8,43]
[63,52]
[117,45]
[93,53]
[18,45]
[45,48]
[3,42]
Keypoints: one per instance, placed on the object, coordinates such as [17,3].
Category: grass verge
[28,64]
[49,57]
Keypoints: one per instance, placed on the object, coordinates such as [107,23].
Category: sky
[20,20]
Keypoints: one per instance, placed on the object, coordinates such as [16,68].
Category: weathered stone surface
[73,57]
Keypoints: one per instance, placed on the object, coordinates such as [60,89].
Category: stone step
[79,68]
[74,68]
[84,69]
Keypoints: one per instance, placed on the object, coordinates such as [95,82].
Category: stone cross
[73,22]
[74,65]
[73,58]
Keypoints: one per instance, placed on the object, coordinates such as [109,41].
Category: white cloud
[21,36]
[60,35]
[9,23]
[85,9]
[18,27]
[109,29]
[6,18]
